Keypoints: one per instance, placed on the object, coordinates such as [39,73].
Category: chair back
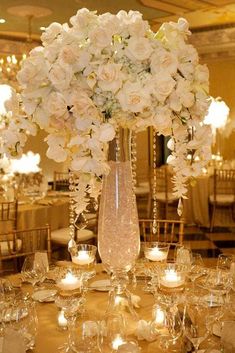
[8,216]
[164,190]
[223,185]
[20,243]
[167,231]
[61,181]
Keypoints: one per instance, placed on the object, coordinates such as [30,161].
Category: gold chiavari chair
[222,192]
[20,243]
[8,216]
[61,181]
[164,192]
[167,231]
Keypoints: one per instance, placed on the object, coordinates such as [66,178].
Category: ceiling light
[42,28]
[2,20]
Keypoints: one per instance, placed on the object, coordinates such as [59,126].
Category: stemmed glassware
[196,268]
[69,299]
[195,328]
[34,269]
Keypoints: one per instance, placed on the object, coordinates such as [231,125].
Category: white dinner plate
[44,295]
[102,285]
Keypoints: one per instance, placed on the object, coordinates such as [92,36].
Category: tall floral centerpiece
[104,72]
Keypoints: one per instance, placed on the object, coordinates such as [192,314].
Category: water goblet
[195,328]
[69,299]
[196,268]
[33,269]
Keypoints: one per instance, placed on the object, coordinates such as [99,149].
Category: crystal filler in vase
[118,229]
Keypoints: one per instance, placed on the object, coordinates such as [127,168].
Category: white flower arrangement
[106,71]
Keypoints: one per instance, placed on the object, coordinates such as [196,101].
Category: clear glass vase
[118,227]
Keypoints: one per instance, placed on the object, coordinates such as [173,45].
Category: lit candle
[118,341]
[155,254]
[62,321]
[171,279]
[83,258]
[70,282]
[159,316]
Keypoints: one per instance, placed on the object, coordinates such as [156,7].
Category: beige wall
[222,84]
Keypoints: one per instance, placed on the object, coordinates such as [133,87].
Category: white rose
[183,90]
[100,37]
[138,27]
[134,97]
[109,21]
[164,60]
[138,48]
[106,133]
[174,102]
[83,19]
[60,76]
[52,51]
[162,120]
[109,77]
[162,85]
[51,33]
[34,71]
[83,106]
[68,54]
[57,105]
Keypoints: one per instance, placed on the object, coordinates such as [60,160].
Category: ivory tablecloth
[49,337]
[54,212]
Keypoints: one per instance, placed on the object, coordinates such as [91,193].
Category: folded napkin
[144,331]
[228,337]
[12,341]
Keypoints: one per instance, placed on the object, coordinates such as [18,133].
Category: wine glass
[225,261]
[195,328]
[196,268]
[34,269]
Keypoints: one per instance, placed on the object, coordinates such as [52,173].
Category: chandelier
[10,64]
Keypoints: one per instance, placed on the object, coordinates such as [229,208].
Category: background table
[51,210]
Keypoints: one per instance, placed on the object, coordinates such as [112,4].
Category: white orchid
[105,71]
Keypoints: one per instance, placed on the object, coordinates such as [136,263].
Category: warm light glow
[159,316]
[62,321]
[28,163]
[118,341]
[155,254]
[2,20]
[171,279]
[5,95]
[217,114]
[69,282]
[83,258]
[42,28]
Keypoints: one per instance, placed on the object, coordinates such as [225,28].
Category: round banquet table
[50,337]
[50,210]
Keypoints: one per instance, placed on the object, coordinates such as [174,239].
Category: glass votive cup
[83,255]
[156,251]
[171,278]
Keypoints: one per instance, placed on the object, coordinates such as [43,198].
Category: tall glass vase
[118,227]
